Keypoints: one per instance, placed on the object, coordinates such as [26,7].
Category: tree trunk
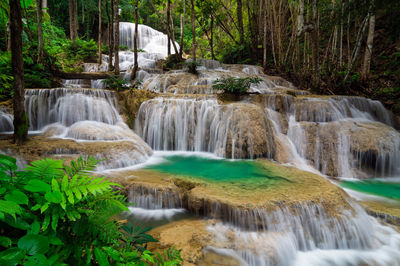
[44,6]
[356,50]
[212,37]
[182,28]
[368,49]
[110,16]
[169,25]
[40,30]
[100,33]
[72,20]
[135,40]
[21,123]
[265,38]
[240,20]
[116,39]
[8,36]
[193,33]
[315,46]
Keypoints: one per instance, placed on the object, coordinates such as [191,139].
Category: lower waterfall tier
[303,218]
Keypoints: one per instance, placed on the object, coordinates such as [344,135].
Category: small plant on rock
[192,66]
[115,83]
[235,86]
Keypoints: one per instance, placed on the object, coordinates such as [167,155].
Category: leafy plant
[51,214]
[192,66]
[123,48]
[236,86]
[115,83]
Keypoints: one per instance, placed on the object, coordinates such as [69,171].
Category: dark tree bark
[110,16]
[135,40]
[39,15]
[193,33]
[169,25]
[100,33]
[73,30]
[315,46]
[240,20]
[212,37]
[116,39]
[21,123]
[182,28]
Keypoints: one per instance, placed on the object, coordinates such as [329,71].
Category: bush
[123,48]
[115,83]
[192,66]
[82,50]
[173,61]
[51,214]
[236,86]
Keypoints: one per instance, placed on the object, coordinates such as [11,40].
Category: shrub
[173,61]
[115,83]
[236,86]
[123,48]
[192,66]
[56,214]
[82,50]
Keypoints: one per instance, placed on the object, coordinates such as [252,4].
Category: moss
[131,101]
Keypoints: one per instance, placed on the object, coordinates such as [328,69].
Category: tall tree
[182,28]
[239,14]
[368,48]
[169,26]
[116,39]
[21,123]
[100,33]
[135,40]
[110,17]
[40,30]
[73,24]
[193,32]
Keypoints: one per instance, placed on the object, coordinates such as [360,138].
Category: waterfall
[6,121]
[47,106]
[149,39]
[338,136]
[299,234]
[232,131]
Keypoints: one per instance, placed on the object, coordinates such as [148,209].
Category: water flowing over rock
[47,106]
[149,39]
[234,131]
[339,136]
[6,121]
[89,116]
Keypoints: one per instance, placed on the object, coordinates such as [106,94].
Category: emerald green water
[380,188]
[215,169]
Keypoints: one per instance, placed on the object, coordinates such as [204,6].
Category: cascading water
[339,136]
[204,125]
[149,39]
[85,115]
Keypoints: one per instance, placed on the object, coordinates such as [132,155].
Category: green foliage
[236,86]
[173,61]
[6,78]
[82,50]
[115,83]
[123,48]
[236,54]
[51,214]
[192,66]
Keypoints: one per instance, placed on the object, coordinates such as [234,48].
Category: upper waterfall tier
[66,106]
[149,39]
[338,136]
[234,131]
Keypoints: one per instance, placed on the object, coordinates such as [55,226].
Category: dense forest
[59,211]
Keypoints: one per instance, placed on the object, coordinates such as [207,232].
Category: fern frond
[81,166]
[46,170]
